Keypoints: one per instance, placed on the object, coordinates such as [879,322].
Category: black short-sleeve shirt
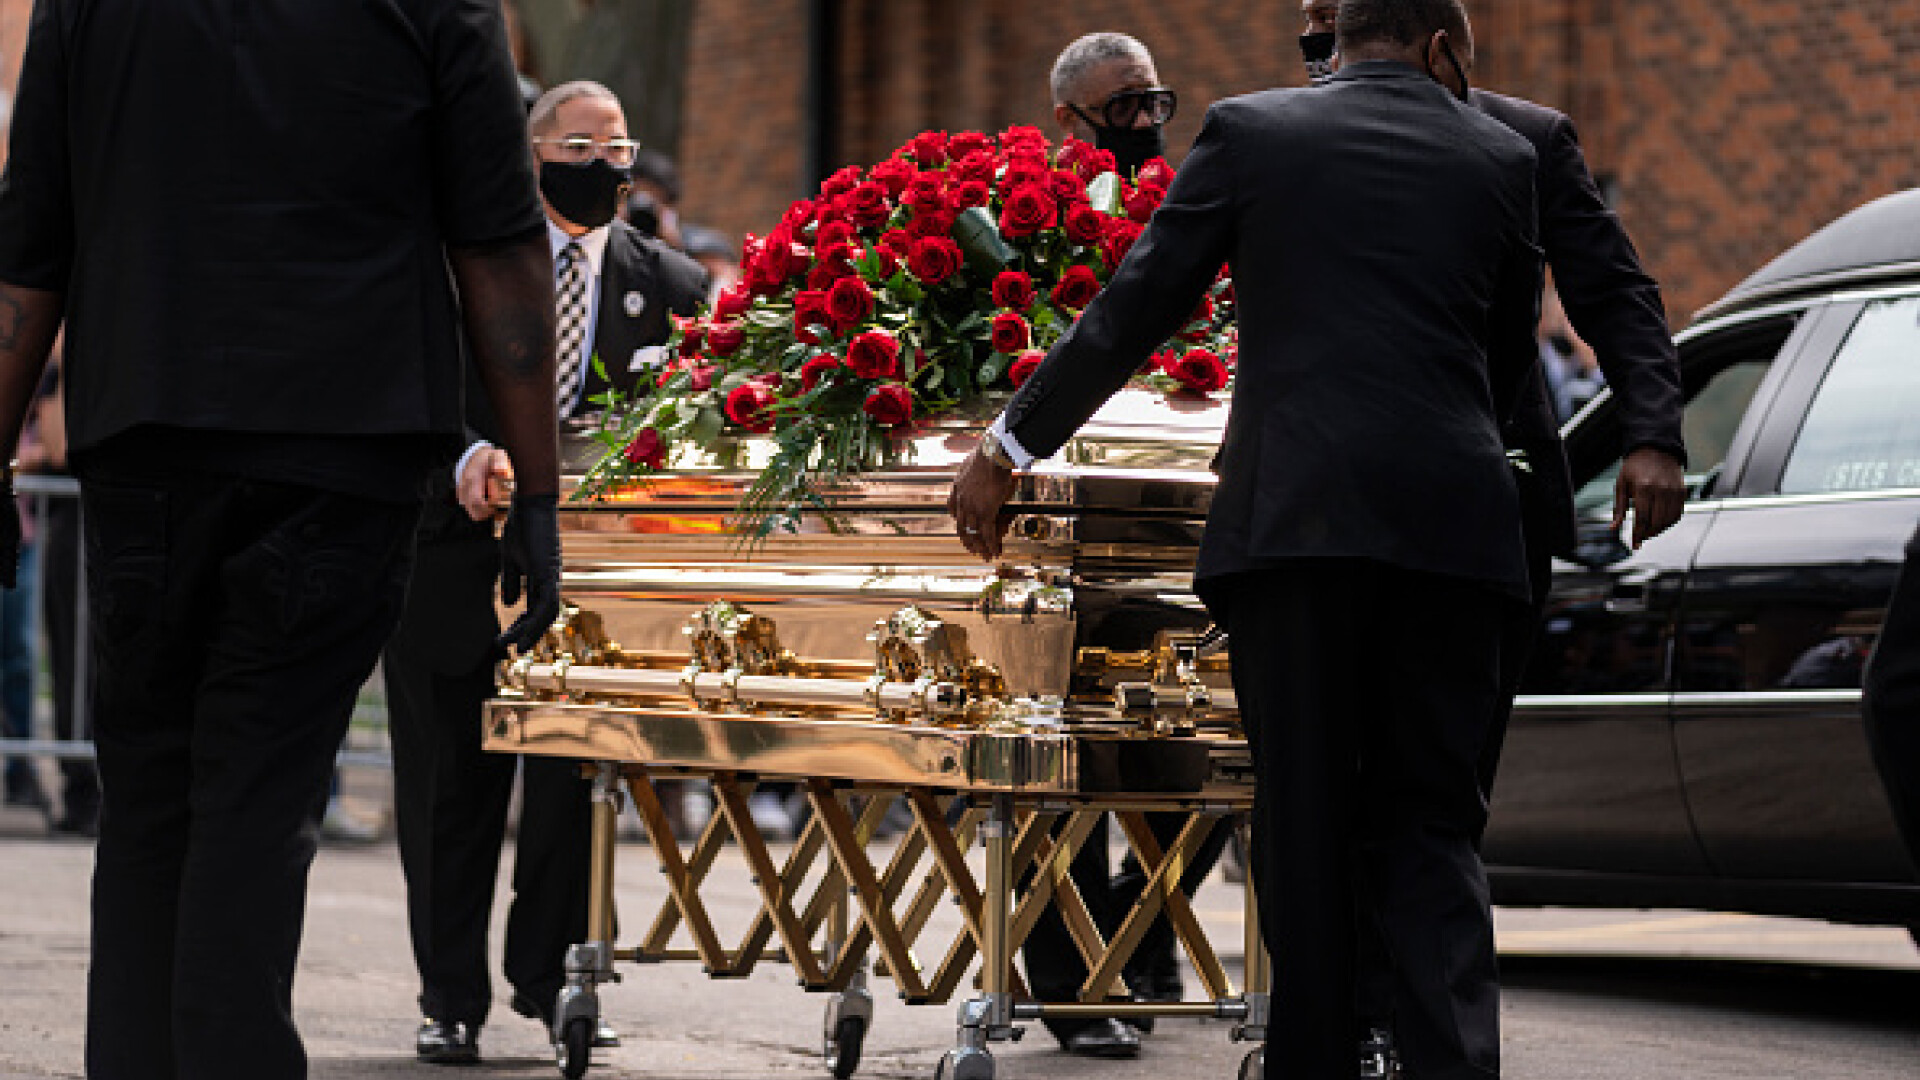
[248,205]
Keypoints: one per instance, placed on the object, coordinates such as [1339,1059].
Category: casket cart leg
[576,1014]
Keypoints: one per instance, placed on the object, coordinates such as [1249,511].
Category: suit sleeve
[1513,353]
[1611,301]
[1156,287]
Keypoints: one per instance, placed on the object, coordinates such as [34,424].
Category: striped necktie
[571,267]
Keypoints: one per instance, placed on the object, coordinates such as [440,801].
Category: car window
[1862,432]
[1713,413]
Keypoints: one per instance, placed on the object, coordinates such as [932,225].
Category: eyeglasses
[1123,109]
[580,149]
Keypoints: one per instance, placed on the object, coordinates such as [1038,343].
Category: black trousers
[1519,633]
[451,796]
[1892,700]
[233,623]
[1367,692]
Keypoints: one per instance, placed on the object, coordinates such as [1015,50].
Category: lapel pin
[635,304]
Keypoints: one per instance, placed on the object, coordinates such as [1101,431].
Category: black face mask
[1131,147]
[587,194]
[1317,49]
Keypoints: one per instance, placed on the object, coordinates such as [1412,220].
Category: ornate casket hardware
[1172,698]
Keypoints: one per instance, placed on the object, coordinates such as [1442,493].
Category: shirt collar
[593,242]
[1376,69]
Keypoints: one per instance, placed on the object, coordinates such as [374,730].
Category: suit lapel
[627,299]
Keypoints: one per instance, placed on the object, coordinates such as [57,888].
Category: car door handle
[1629,598]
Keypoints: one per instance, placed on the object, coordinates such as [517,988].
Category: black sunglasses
[1123,109]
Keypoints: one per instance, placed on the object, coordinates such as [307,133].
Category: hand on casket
[530,561]
[977,502]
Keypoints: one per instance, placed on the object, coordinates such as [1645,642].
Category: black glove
[9,534]
[530,559]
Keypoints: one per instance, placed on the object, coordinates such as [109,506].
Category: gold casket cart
[877,661]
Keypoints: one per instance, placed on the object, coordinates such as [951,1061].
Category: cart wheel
[843,1049]
[575,1048]
[1254,1065]
[965,1063]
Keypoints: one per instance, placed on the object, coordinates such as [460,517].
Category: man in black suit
[615,290]
[1615,306]
[1364,541]
[268,228]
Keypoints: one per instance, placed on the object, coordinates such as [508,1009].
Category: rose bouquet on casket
[899,293]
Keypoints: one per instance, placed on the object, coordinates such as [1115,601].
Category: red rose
[893,174]
[1023,168]
[898,241]
[1199,370]
[1023,136]
[867,205]
[874,355]
[927,194]
[699,376]
[822,277]
[889,262]
[725,339]
[1120,237]
[1155,173]
[1023,366]
[938,223]
[1011,333]
[816,369]
[1029,209]
[1143,201]
[1086,226]
[1077,288]
[890,405]
[849,302]
[841,182]
[1066,187]
[1077,154]
[929,148]
[974,165]
[968,194]
[810,310]
[647,449]
[801,214]
[967,143]
[1013,290]
[732,303]
[692,333]
[833,233]
[935,259]
[751,406]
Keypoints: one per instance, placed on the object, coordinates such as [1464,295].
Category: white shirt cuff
[460,467]
[1021,459]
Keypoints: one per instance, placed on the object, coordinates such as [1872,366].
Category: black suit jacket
[1613,305]
[642,282]
[1381,238]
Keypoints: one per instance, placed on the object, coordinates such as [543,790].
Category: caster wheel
[843,1047]
[1254,1065]
[965,1064]
[575,1048]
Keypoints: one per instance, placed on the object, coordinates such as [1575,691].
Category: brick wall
[1730,127]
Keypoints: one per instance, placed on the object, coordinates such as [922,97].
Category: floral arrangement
[937,276]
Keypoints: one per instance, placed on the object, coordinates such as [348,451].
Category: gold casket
[869,658]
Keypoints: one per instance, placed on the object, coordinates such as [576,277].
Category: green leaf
[1104,194]
[706,428]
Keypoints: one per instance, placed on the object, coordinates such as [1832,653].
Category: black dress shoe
[1152,989]
[1100,1039]
[447,1042]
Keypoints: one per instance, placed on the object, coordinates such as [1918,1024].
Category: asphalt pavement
[1591,995]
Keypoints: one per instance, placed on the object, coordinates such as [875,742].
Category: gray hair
[1087,53]
[541,118]
[1401,22]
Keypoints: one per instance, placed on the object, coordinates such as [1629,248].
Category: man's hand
[485,483]
[1654,486]
[979,492]
[530,559]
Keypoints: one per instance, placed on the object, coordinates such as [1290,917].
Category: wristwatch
[993,450]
